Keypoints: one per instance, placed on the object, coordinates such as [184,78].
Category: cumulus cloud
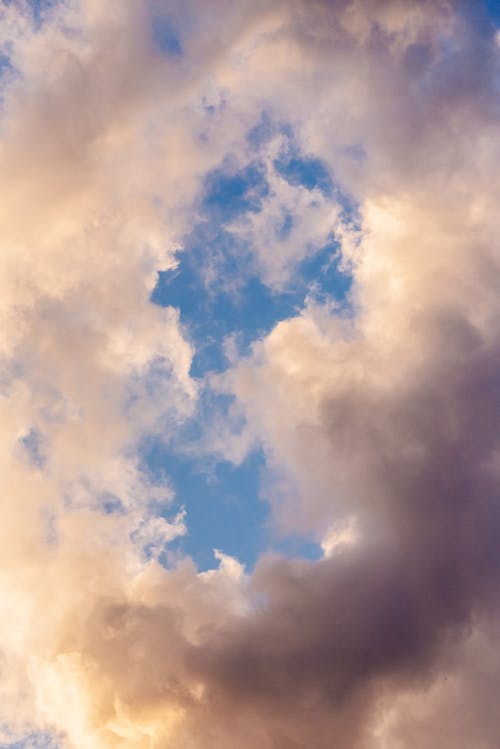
[378,421]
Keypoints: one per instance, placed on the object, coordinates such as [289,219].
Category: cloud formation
[377,418]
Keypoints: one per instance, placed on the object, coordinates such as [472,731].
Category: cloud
[381,417]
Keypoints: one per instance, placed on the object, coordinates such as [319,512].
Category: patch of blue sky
[220,294]
[210,317]
[166,36]
[470,61]
[225,510]
[222,500]
[216,287]
[299,168]
[324,279]
[39,8]
[306,171]
[484,15]
[229,192]
[492,8]
[247,311]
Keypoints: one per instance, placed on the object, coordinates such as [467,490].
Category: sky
[249,374]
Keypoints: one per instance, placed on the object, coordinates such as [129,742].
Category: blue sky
[223,502]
